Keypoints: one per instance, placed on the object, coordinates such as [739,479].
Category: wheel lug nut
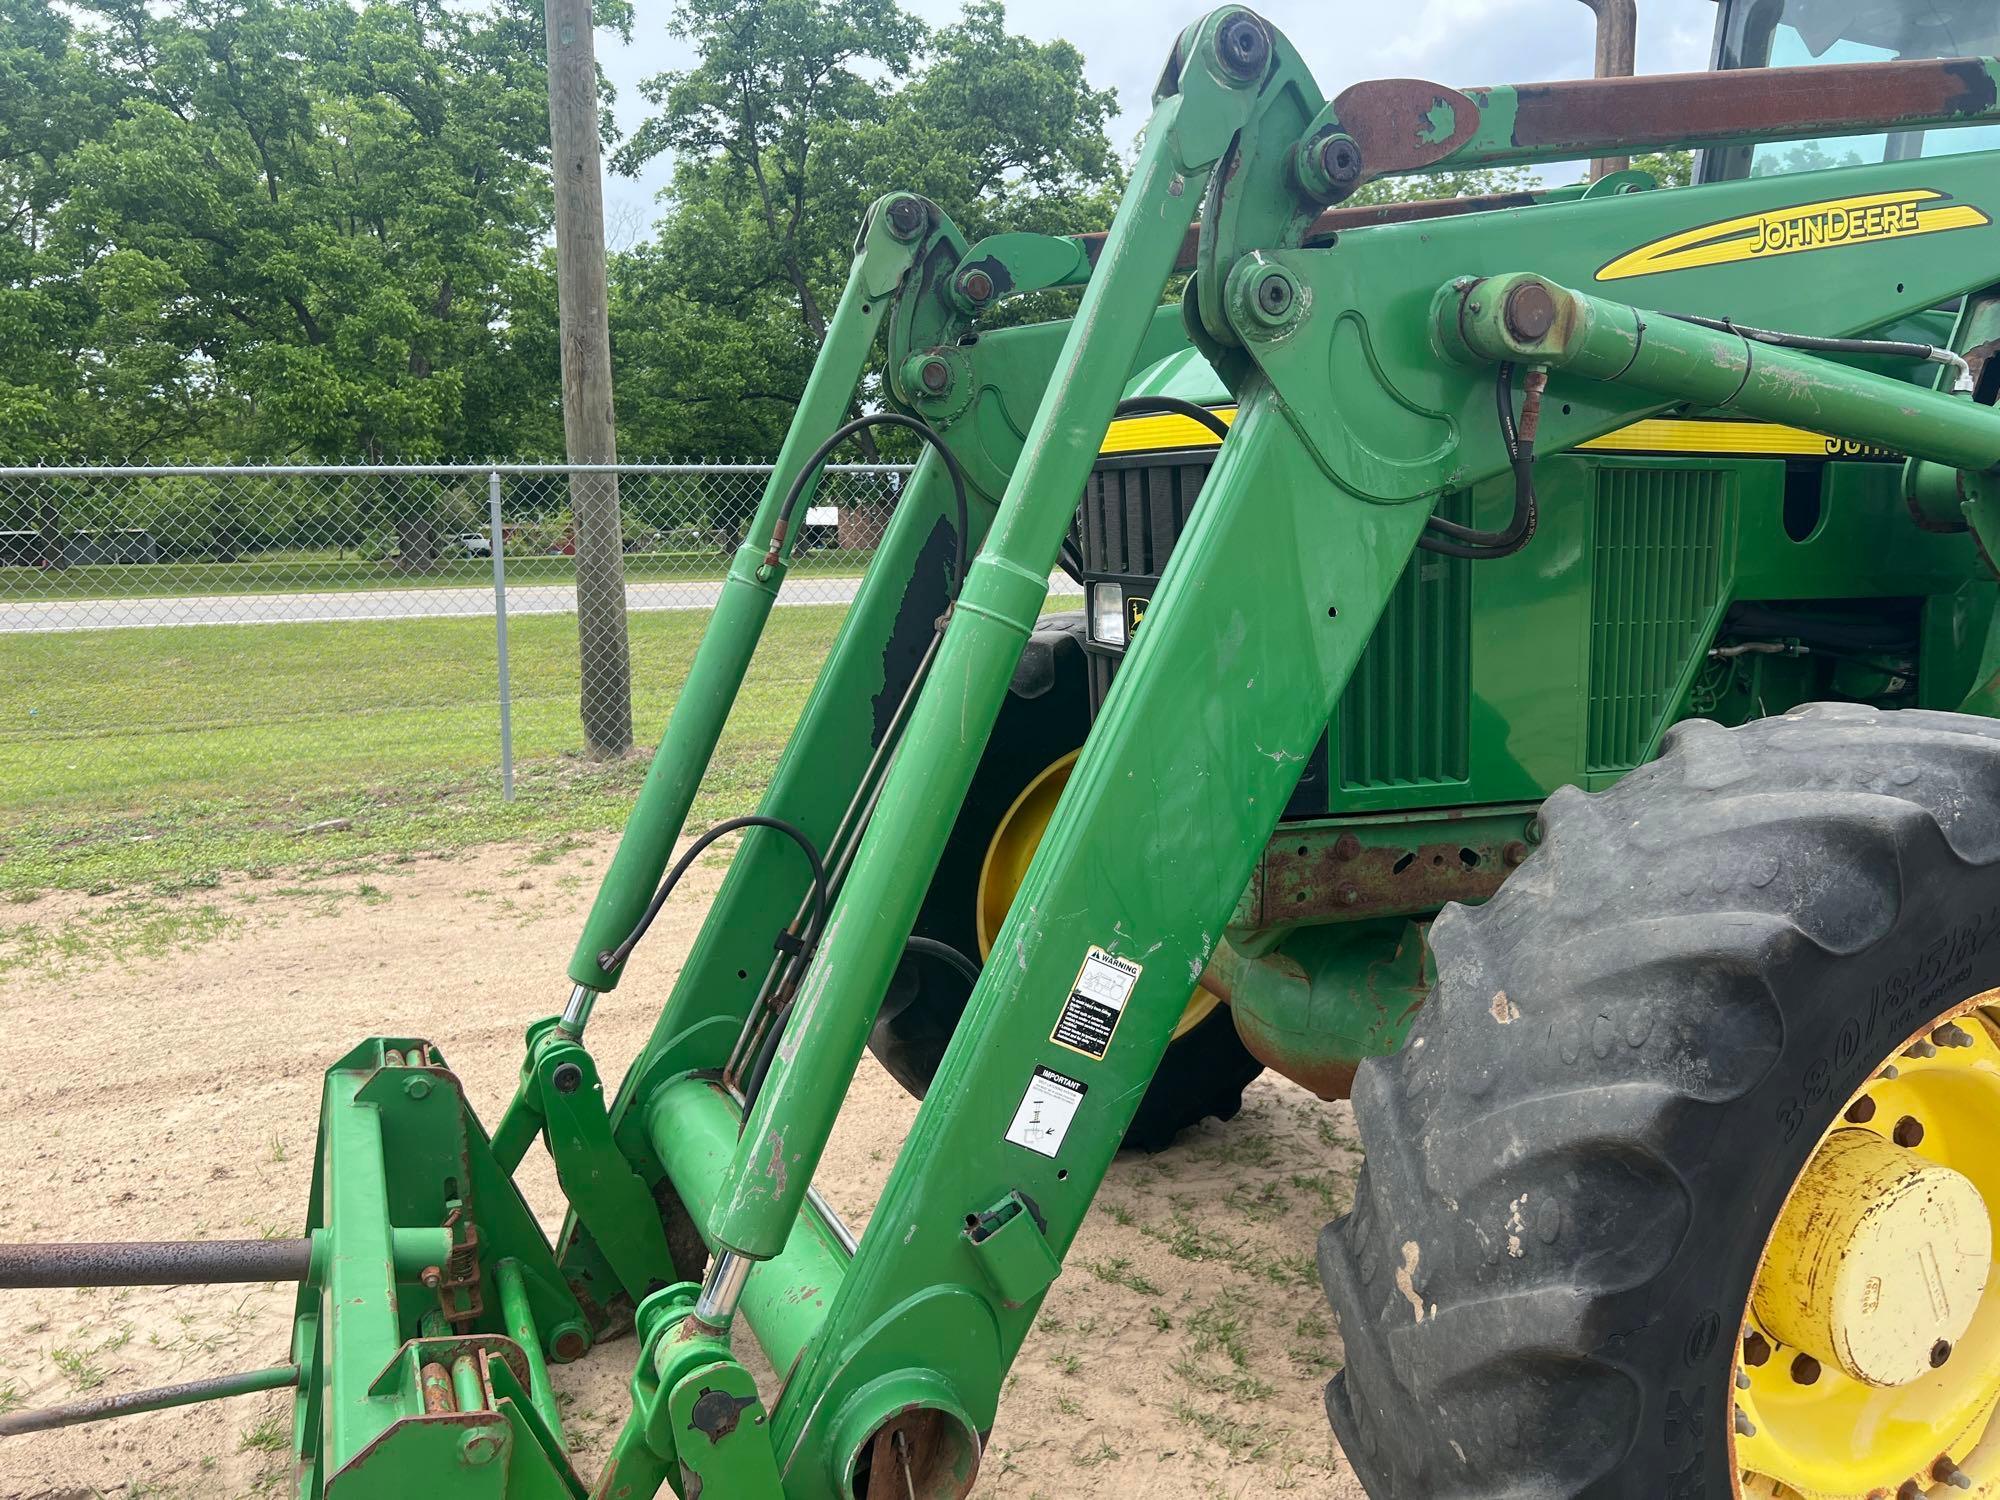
[1742,1380]
[1940,1352]
[1805,1370]
[1756,1350]
[1909,1133]
[1744,1426]
[1944,1471]
[1949,1035]
[1861,1111]
[1909,1489]
[1890,1073]
[1920,1049]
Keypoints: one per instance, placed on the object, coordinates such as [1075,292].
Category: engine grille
[1403,720]
[1657,563]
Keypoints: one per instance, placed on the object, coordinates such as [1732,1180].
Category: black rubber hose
[1450,539]
[1173,406]
[609,960]
[768,1049]
[1886,348]
[760,1068]
[810,470]
[1070,557]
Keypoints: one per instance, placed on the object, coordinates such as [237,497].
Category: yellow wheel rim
[1870,1360]
[1006,865]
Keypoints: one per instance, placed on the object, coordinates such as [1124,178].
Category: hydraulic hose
[609,960]
[1449,538]
[1882,348]
[929,947]
[809,471]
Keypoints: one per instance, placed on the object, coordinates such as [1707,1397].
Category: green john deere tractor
[1537,679]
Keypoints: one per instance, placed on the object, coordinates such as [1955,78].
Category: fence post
[497,545]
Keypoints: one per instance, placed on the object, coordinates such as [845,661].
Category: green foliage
[268,227]
[320,229]
[1668,168]
[797,115]
[1438,185]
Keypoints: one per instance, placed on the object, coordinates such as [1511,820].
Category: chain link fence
[163,625]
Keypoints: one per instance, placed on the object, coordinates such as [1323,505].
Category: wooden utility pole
[590,431]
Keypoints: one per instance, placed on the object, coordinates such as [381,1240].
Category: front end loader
[1536,679]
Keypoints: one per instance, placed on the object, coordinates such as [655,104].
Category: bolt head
[935,375]
[1346,847]
[1340,162]
[977,286]
[906,218]
[1909,1133]
[1243,46]
[1514,854]
[567,1078]
[417,1088]
[570,1343]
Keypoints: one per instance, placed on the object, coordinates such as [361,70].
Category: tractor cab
[1802,33]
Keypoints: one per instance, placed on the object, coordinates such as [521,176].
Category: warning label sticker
[1046,1111]
[1096,1001]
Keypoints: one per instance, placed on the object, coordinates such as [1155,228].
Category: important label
[1096,1001]
[1046,1111]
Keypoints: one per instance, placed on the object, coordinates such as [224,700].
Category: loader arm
[1366,368]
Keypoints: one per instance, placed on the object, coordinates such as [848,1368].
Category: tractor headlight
[1107,613]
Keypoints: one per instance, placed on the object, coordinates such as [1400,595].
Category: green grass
[176,756]
[299,572]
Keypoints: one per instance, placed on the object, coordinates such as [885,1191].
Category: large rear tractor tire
[1027,762]
[1685,1183]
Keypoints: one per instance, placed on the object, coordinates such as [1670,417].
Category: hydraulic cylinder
[1529,320]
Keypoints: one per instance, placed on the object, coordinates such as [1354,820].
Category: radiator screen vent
[1403,717]
[1658,573]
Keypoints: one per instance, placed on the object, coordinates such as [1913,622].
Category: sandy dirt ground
[1181,1354]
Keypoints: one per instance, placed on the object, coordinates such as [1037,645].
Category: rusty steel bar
[1617,57]
[166,1263]
[160,1398]
[1401,124]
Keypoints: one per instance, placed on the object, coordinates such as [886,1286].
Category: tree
[320,209]
[796,116]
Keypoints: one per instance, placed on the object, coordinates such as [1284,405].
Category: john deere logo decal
[1825,225]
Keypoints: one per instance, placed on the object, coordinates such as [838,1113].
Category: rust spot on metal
[1308,878]
[438,1395]
[1402,124]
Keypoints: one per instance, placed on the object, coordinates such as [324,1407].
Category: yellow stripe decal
[1760,439]
[1165,434]
[1828,224]
[1161,433]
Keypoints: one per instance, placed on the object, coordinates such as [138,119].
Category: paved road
[388,604]
[376,604]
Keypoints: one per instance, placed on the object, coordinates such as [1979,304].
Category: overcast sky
[1124,43]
